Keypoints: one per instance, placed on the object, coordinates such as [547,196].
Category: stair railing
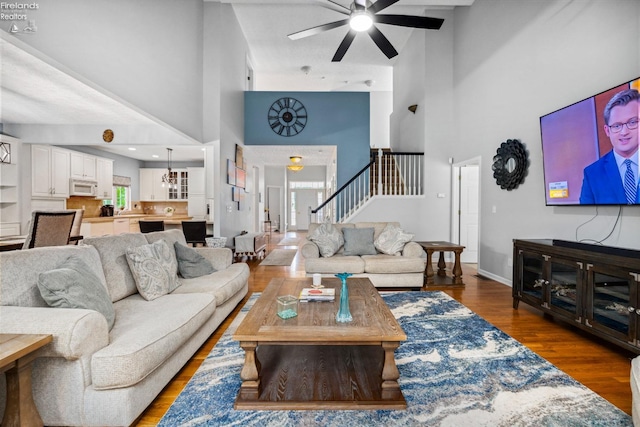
[387,174]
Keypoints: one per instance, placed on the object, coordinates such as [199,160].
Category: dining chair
[151,226]
[75,227]
[195,232]
[49,228]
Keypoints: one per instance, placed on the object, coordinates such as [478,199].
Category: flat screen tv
[580,167]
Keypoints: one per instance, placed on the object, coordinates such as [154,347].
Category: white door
[305,200]
[273,204]
[469,209]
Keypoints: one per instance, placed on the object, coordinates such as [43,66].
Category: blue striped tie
[630,188]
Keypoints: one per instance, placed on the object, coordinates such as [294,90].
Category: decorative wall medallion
[107,136]
[510,164]
[5,152]
[287,116]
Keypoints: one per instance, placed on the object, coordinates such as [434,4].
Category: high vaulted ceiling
[277,60]
[53,96]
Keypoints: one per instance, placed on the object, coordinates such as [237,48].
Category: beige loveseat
[404,270]
[89,375]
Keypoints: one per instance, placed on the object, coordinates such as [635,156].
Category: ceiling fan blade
[317,30]
[382,42]
[336,7]
[381,4]
[344,46]
[410,21]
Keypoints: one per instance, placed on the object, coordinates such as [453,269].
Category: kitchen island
[128,223]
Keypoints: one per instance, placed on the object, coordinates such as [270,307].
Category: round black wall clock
[287,116]
[510,164]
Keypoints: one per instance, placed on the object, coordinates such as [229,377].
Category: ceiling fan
[363,14]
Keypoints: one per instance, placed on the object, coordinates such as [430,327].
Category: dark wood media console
[595,288]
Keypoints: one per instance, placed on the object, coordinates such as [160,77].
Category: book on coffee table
[311,294]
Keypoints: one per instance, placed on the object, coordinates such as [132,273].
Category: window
[120,198]
[306,185]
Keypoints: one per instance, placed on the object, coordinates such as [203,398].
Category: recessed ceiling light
[155,156]
[132,149]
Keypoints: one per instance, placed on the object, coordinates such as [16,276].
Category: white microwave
[80,187]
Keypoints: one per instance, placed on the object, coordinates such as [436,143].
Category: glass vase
[344,315]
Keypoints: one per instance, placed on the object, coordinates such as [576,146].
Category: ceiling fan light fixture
[360,20]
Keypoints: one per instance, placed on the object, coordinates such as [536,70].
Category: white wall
[225,60]
[147,52]
[423,75]
[408,211]
[533,58]
[381,107]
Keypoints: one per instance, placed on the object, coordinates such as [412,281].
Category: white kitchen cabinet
[196,180]
[96,229]
[151,189]
[120,225]
[50,172]
[181,190]
[197,204]
[104,175]
[83,166]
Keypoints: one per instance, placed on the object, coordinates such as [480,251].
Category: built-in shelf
[9,191]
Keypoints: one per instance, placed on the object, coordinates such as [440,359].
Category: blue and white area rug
[455,370]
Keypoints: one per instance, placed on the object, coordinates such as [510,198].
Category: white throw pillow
[328,239]
[154,267]
[392,240]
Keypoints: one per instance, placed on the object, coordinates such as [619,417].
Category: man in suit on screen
[613,179]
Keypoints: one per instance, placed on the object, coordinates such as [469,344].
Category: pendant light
[168,178]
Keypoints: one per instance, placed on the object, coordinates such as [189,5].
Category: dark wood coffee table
[17,351]
[313,362]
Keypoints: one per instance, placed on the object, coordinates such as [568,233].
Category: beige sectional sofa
[90,375]
[403,270]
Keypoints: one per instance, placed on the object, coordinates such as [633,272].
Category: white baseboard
[492,276]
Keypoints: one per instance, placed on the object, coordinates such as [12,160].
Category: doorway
[466,208]
[302,202]
[274,206]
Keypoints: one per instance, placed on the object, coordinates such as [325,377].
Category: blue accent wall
[334,118]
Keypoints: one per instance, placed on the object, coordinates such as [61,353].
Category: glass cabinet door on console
[550,283]
[612,302]
[565,296]
[532,278]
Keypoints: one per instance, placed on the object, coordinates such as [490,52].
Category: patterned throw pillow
[392,240]
[328,239]
[73,285]
[154,267]
[359,241]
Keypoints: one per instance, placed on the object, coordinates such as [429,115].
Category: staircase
[387,174]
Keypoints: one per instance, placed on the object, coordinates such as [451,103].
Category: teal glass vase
[344,315]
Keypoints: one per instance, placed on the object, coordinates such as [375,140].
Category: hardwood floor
[599,365]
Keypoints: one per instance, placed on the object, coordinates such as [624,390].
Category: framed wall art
[231,172]
[239,157]
[236,194]
[241,176]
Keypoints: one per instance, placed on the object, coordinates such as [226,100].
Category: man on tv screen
[613,179]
